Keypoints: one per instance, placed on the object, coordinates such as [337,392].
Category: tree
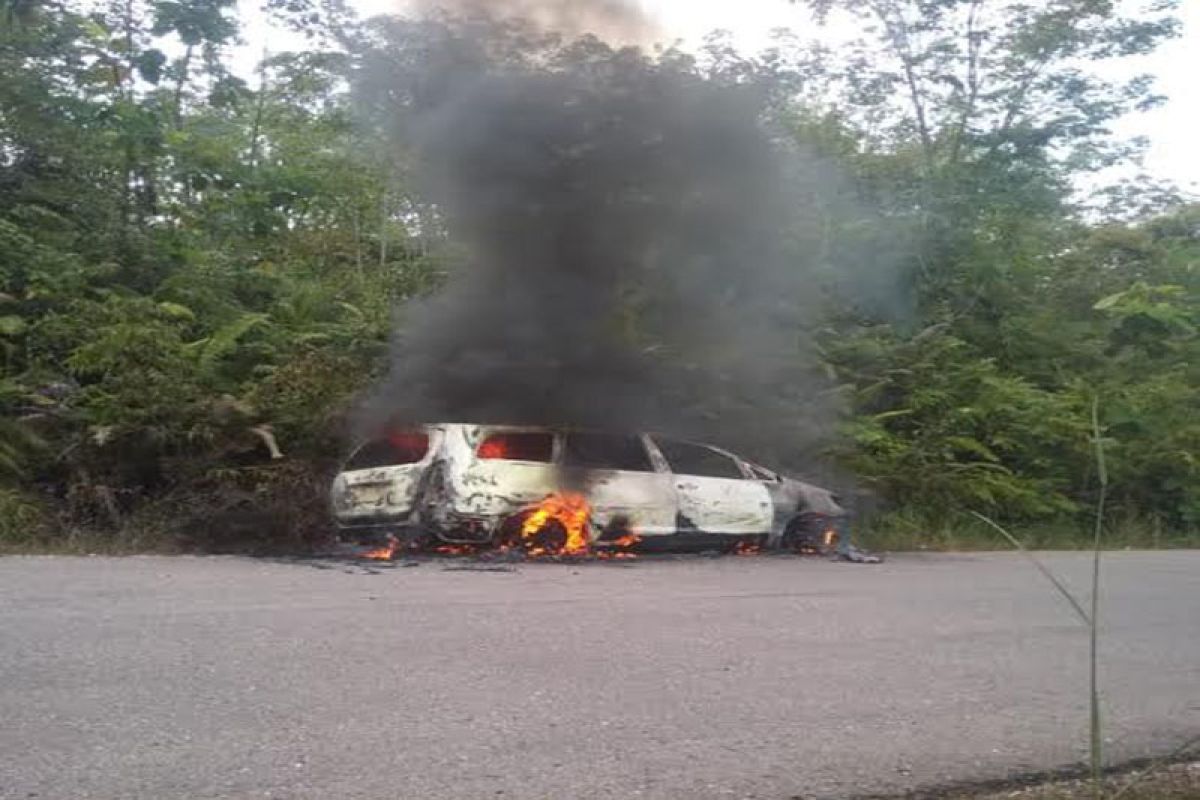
[972,81]
[995,106]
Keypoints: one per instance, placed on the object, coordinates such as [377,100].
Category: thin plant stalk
[1042,568]
[1090,619]
[1097,742]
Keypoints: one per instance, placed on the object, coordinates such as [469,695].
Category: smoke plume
[635,249]
[614,21]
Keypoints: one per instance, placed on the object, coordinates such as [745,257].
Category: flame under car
[551,490]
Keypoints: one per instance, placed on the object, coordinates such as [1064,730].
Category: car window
[686,458]
[518,446]
[397,447]
[606,451]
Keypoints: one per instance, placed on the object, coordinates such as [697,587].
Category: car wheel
[809,533]
[551,537]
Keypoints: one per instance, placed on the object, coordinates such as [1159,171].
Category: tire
[806,533]
[550,538]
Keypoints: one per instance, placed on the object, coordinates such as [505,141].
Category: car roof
[565,428]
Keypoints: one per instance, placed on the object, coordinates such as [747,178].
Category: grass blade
[1042,568]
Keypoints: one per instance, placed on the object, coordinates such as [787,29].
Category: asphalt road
[696,678]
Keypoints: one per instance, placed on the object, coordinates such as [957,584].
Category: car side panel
[492,488]
[723,505]
[644,501]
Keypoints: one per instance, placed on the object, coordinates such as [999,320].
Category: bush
[24,521]
[269,509]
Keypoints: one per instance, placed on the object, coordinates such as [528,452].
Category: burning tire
[810,533]
[559,525]
[547,537]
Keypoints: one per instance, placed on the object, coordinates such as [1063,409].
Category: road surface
[769,677]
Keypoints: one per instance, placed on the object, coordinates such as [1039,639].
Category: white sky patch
[1172,129]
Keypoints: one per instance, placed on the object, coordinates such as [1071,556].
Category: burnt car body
[461,483]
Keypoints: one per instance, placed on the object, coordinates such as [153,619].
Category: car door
[712,492]
[618,475]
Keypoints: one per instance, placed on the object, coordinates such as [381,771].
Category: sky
[1172,129]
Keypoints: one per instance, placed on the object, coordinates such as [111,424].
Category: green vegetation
[199,270]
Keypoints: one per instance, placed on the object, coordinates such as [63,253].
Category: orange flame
[455,549]
[626,540]
[747,548]
[569,510]
[618,547]
[383,553]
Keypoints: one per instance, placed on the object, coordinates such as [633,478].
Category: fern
[224,340]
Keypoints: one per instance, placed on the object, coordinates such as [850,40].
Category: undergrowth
[206,519]
[272,508]
[908,530]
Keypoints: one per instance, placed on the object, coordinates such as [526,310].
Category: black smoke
[634,243]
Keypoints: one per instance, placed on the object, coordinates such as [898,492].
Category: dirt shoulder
[1179,781]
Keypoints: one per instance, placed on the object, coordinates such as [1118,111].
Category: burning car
[565,491]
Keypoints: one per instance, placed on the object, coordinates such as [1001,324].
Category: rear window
[606,451]
[513,446]
[686,458]
[397,447]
